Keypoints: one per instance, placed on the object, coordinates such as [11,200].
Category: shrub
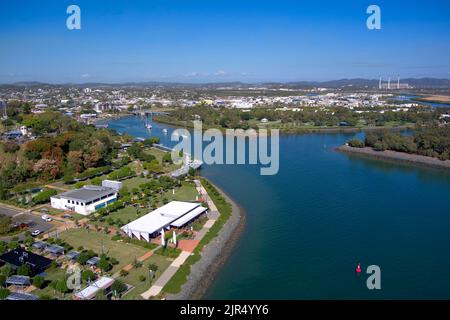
[168,252]
[38,282]
[5,224]
[137,264]
[142,278]
[104,264]
[59,285]
[2,280]
[123,273]
[87,275]
[116,237]
[24,270]
[355,143]
[44,196]
[85,256]
[4,293]
[118,286]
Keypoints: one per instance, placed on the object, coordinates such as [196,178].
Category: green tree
[167,157]
[4,293]
[5,224]
[38,282]
[355,143]
[104,264]
[6,270]
[24,270]
[59,285]
[44,196]
[87,275]
[118,287]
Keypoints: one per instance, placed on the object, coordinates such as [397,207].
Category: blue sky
[216,40]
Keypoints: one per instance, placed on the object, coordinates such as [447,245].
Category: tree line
[431,141]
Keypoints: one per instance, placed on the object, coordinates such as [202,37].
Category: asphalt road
[34,222]
[8,211]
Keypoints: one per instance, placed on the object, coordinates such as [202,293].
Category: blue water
[409,98]
[324,212]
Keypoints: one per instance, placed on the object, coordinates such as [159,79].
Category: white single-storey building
[85,200]
[89,293]
[174,214]
[116,185]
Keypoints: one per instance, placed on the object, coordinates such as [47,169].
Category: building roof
[93,261]
[161,217]
[188,217]
[91,291]
[73,255]
[55,249]
[87,193]
[39,245]
[21,296]
[19,256]
[18,280]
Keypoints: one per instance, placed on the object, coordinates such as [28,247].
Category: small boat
[358,268]
[148,126]
[164,131]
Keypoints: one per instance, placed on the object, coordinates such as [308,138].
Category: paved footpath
[157,287]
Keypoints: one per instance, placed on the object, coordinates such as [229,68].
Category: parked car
[30,223]
[46,218]
[36,233]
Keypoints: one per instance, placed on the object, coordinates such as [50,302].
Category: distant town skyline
[222,41]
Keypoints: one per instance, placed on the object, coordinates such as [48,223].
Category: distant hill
[357,83]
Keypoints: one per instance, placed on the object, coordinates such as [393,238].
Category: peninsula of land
[397,156]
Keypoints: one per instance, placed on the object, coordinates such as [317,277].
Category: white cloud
[220,73]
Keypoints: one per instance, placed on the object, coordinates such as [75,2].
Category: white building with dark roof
[85,200]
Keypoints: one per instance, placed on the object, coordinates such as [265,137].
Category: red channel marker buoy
[358,268]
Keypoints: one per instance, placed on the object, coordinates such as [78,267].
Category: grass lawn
[159,155]
[128,213]
[141,286]
[52,274]
[134,182]
[186,192]
[125,253]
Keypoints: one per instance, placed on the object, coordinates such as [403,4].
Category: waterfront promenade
[187,247]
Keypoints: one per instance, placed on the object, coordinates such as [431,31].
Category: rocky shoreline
[397,156]
[213,255]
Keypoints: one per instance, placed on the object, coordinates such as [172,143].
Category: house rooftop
[18,280]
[21,296]
[87,193]
[91,291]
[19,256]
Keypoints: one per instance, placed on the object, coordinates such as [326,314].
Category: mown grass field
[125,253]
[141,286]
